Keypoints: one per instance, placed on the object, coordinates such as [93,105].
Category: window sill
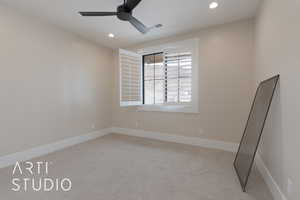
[168,108]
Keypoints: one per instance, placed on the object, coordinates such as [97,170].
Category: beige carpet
[117,167]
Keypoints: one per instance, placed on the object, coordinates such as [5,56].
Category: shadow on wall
[271,148]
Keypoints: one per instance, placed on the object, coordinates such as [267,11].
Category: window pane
[185,90]
[159,67]
[149,92]
[149,67]
[154,76]
[168,78]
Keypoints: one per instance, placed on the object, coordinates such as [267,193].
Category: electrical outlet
[93,126]
[290,186]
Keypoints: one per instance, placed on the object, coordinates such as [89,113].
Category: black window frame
[143,74]
[166,77]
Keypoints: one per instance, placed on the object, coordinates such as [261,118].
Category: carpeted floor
[117,167]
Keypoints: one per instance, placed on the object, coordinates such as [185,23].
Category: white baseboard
[195,141]
[11,159]
[269,180]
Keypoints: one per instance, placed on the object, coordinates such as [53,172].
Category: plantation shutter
[130,78]
[179,76]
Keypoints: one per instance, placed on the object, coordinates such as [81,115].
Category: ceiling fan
[124,12]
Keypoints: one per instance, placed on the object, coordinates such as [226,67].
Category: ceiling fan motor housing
[123,13]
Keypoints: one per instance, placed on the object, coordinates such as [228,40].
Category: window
[167,78]
[161,78]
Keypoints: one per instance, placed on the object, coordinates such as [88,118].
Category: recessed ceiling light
[213,5]
[111,35]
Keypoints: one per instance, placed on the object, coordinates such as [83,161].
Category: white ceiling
[177,16]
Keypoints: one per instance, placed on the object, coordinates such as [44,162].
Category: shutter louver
[130,78]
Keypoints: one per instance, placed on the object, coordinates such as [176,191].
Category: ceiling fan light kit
[124,13]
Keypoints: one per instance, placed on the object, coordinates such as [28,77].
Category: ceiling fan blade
[96,14]
[138,25]
[131,4]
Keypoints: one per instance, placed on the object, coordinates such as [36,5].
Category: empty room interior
[149,99]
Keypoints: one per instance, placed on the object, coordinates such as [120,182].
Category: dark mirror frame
[244,182]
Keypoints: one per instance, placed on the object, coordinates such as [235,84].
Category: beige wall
[225,87]
[53,85]
[278,51]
